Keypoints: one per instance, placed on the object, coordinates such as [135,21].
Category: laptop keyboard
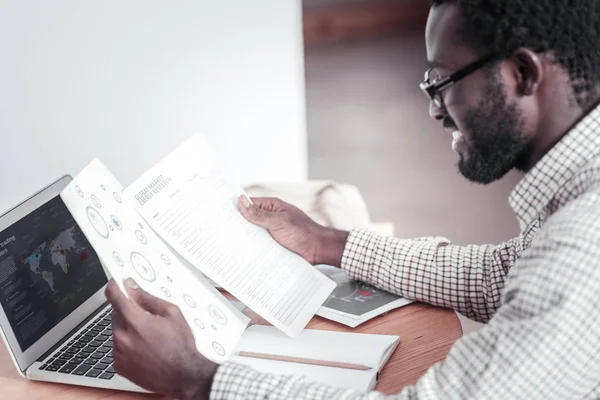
[89,353]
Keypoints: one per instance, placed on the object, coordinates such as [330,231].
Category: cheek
[530,118]
[464,94]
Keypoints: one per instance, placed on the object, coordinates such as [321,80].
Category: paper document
[353,348]
[128,247]
[191,203]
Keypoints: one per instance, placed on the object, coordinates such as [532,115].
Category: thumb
[145,300]
[256,214]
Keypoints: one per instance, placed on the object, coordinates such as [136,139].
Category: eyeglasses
[433,88]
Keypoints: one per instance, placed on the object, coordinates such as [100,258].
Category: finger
[117,299]
[116,321]
[273,204]
[259,213]
[146,301]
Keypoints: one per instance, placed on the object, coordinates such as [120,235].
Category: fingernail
[131,283]
[245,202]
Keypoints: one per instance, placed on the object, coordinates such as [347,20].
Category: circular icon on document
[96,201]
[189,300]
[97,221]
[117,197]
[165,259]
[218,349]
[79,191]
[117,257]
[166,291]
[140,237]
[116,222]
[102,187]
[199,323]
[169,279]
[217,314]
[143,267]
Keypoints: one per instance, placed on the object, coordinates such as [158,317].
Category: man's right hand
[294,230]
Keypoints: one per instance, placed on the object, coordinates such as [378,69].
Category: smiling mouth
[457,137]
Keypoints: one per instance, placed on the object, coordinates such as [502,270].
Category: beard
[497,141]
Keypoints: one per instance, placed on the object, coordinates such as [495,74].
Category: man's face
[487,126]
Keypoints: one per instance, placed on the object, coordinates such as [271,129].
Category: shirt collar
[545,180]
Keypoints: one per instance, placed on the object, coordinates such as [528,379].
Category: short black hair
[569,31]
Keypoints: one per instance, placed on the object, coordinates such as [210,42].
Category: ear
[528,71]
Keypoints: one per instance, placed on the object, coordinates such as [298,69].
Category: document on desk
[190,201]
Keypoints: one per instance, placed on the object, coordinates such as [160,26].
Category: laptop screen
[47,269]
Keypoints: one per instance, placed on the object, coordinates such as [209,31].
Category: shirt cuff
[359,253]
[232,381]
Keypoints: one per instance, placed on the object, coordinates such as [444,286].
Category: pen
[300,360]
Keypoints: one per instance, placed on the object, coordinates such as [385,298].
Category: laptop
[54,317]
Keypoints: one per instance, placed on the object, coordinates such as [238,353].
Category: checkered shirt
[538,294]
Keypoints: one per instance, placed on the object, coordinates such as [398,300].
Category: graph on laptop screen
[47,269]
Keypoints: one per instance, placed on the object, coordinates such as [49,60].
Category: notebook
[355,348]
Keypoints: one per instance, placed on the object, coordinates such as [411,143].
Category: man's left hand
[154,347]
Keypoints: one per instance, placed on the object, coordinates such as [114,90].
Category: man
[517,82]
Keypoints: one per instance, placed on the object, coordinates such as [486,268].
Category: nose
[435,112]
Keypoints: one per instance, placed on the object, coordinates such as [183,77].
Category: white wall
[128,80]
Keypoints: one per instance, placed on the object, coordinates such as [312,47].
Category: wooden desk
[427,333]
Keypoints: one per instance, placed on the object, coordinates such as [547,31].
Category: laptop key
[90,361]
[81,370]
[72,351]
[77,360]
[95,343]
[97,329]
[101,366]
[106,375]
[68,368]
[65,356]
[103,349]
[97,355]
[108,343]
[93,373]
[52,368]
[107,360]
[103,323]
[111,369]
[89,349]
[103,337]
[59,362]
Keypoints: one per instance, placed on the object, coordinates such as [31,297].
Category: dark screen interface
[47,269]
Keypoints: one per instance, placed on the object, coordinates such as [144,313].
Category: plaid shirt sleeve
[542,343]
[468,279]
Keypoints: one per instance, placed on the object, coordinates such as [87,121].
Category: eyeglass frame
[433,89]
